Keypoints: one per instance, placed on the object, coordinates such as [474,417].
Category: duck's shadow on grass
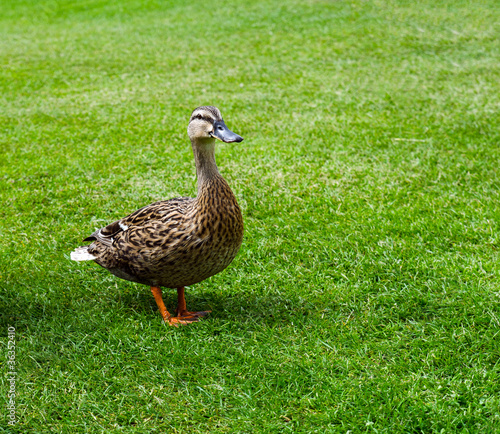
[21,310]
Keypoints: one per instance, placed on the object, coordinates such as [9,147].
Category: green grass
[366,295]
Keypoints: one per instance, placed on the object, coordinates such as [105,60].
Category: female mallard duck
[181,241]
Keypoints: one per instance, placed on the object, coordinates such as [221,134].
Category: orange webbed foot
[176,321]
[182,313]
[186,315]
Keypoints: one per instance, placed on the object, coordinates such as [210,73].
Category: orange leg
[183,316]
[182,312]
[156,290]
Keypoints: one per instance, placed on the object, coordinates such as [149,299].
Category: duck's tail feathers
[81,254]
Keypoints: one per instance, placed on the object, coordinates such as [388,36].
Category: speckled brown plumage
[181,241]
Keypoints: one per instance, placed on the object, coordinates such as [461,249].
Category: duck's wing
[161,211]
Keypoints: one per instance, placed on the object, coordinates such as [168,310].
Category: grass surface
[365,297]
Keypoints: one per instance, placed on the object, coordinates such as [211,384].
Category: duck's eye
[198,117]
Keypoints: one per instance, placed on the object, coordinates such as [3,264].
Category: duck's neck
[204,157]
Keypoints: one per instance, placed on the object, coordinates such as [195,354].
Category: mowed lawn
[365,297]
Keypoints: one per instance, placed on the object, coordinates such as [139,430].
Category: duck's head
[206,123]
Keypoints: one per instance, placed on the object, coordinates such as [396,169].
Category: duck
[182,241]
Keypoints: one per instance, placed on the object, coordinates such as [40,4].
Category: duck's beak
[223,133]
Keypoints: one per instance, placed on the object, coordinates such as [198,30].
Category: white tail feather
[81,254]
